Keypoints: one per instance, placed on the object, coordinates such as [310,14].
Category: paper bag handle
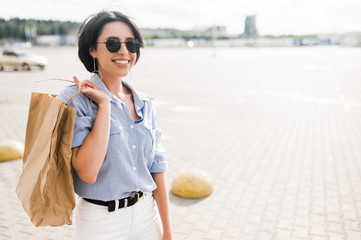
[65,80]
[74,95]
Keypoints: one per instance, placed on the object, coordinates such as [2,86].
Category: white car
[20,59]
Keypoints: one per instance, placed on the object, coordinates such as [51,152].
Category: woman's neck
[115,86]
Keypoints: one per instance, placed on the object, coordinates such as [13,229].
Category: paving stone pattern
[278,130]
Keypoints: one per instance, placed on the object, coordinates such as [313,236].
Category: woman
[118,161]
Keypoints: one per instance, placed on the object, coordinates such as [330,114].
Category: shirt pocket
[115,139]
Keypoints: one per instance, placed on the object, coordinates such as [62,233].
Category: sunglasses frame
[117,44]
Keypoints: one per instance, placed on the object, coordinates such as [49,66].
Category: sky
[274,17]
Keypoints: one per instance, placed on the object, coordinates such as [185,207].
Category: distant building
[352,39]
[48,40]
[250,28]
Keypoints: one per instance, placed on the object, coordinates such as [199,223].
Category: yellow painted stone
[193,183]
[11,150]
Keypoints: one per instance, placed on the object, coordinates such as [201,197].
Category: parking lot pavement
[280,139]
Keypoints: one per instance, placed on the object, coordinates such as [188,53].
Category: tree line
[28,29]
[23,29]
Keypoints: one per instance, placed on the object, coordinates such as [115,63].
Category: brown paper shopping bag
[45,187]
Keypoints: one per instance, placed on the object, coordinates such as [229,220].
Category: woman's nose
[123,48]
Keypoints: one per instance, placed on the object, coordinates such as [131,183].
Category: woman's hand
[91,91]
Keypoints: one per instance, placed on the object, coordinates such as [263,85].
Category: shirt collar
[138,98]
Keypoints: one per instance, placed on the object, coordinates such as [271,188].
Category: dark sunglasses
[113,45]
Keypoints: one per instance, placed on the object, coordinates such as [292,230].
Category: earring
[95,71]
[94,67]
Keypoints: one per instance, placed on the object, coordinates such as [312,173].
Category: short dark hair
[92,27]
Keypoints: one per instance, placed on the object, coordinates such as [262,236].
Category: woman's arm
[161,197]
[88,158]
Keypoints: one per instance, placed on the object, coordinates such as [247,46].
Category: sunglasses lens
[133,45]
[113,45]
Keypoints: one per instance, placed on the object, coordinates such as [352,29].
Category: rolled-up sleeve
[82,127]
[83,120]
[160,163]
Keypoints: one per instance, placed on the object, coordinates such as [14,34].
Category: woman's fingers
[87,83]
[83,83]
[76,80]
[90,84]
[91,91]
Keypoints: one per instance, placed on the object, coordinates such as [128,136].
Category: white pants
[140,221]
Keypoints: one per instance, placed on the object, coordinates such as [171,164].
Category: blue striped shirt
[134,149]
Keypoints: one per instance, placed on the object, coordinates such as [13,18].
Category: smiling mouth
[122,62]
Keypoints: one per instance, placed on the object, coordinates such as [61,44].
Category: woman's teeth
[121,61]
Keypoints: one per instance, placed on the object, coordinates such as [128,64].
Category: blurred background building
[17,32]
[250,28]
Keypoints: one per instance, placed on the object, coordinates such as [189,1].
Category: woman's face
[116,64]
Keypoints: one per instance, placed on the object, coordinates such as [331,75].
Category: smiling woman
[117,158]
[88,37]
[114,63]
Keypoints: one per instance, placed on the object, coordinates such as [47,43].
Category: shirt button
[134,147]
[134,168]
[132,126]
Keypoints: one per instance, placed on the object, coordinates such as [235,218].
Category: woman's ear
[92,52]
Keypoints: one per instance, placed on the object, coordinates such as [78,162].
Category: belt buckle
[135,194]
